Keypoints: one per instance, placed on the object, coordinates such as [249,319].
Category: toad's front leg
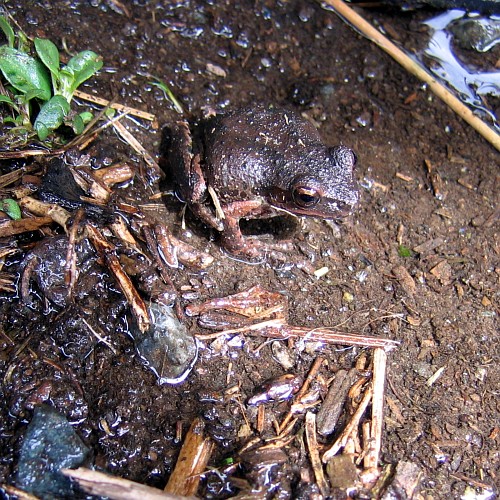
[190,181]
[233,240]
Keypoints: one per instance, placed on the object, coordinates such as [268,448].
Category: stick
[193,458]
[305,386]
[312,445]
[342,439]
[379,367]
[116,488]
[120,107]
[415,69]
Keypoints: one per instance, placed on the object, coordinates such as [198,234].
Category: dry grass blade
[119,107]
[136,145]
[415,69]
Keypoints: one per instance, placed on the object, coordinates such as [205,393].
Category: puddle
[472,85]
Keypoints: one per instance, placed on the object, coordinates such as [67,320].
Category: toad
[255,163]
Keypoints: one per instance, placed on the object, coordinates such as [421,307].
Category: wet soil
[440,299]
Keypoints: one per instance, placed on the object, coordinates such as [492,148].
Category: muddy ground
[443,310]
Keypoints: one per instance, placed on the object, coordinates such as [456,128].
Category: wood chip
[443,272]
[216,70]
[405,280]
[115,488]
[333,404]
[404,177]
[353,423]
[13,227]
[428,246]
[193,458]
[435,180]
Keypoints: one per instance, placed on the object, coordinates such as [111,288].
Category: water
[470,84]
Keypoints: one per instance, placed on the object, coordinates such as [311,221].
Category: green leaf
[23,44]
[51,116]
[48,53]
[86,116]
[404,251]
[33,94]
[24,72]
[7,100]
[11,208]
[83,65]
[78,125]
[9,119]
[8,31]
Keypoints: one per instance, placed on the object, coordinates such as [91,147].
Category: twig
[305,386]
[192,461]
[379,367]
[312,445]
[416,69]
[115,488]
[17,493]
[53,210]
[120,107]
[332,337]
[342,439]
[107,252]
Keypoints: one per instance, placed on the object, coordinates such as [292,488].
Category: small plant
[404,251]
[37,89]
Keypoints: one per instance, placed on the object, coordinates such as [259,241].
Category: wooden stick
[120,107]
[379,367]
[312,445]
[305,386]
[342,439]
[107,252]
[116,488]
[416,69]
[193,458]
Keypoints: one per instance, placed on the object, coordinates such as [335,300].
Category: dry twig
[193,458]
[107,252]
[115,488]
[312,445]
[353,423]
[379,368]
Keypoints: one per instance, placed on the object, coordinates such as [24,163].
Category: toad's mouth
[324,210]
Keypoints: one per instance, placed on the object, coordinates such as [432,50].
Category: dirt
[440,300]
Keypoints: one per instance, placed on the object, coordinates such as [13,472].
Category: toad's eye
[305,197]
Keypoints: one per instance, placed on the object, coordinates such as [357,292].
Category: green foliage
[404,252]
[40,83]
[24,73]
[11,208]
